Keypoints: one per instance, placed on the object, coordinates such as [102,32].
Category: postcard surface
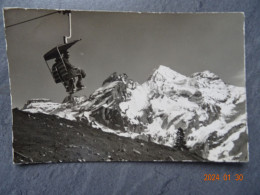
[120,86]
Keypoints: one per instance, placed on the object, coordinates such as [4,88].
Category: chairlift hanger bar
[64,12]
[65,38]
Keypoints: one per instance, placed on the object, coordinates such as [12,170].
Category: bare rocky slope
[41,138]
[211,112]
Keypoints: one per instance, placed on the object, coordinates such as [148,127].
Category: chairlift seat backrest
[60,73]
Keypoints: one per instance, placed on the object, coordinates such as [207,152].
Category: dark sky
[129,43]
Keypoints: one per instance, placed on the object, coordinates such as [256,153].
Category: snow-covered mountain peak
[205,74]
[212,87]
[164,73]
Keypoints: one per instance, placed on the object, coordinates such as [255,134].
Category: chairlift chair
[59,71]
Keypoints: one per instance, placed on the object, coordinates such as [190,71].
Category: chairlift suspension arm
[70,31]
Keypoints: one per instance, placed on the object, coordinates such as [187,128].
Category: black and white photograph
[124,86]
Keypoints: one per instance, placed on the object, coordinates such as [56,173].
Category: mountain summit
[211,113]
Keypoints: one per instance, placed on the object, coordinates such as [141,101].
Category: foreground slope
[41,138]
